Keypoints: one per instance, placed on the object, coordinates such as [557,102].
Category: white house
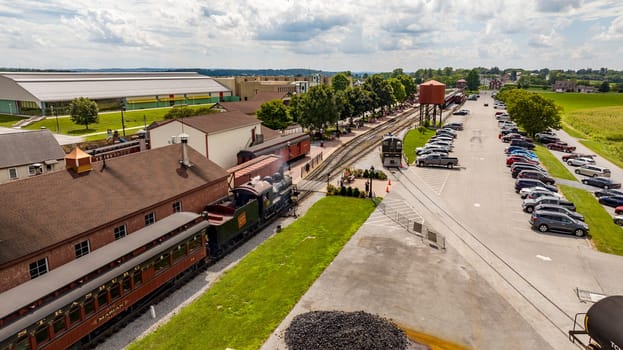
[217,136]
[29,153]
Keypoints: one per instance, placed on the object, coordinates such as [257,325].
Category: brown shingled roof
[43,210]
[251,106]
[217,122]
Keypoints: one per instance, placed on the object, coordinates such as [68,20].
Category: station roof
[52,87]
[68,205]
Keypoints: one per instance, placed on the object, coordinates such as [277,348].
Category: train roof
[278,141]
[93,284]
[28,292]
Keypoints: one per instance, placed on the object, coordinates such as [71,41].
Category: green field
[552,164]
[242,309]
[413,139]
[7,121]
[597,119]
[605,235]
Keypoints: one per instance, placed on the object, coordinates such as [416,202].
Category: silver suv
[592,171]
[551,221]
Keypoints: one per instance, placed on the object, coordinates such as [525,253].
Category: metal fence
[309,166]
[415,227]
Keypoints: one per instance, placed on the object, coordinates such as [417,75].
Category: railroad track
[354,150]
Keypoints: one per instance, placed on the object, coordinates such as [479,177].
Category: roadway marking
[544,258]
[477,205]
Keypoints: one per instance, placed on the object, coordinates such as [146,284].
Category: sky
[359,36]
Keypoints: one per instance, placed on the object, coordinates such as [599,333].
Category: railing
[415,227]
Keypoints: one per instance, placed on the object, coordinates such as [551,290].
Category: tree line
[325,105]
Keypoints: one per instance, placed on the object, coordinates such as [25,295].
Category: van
[592,171]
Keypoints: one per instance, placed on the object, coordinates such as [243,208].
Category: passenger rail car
[71,320]
[288,147]
[76,304]
[391,151]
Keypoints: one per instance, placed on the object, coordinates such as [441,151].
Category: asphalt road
[498,284]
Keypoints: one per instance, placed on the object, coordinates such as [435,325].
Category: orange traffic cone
[387,189]
[389,182]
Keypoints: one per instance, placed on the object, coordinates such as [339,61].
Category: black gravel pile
[328,330]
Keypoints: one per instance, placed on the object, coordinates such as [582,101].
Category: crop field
[595,118]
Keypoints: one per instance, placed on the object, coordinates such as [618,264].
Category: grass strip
[7,120]
[552,164]
[241,310]
[413,139]
[605,235]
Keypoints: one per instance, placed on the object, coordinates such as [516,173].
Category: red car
[566,157]
[517,158]
[618,210]
[560,146]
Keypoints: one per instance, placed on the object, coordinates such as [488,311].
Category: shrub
[349,191]
[355,192]
[343,191]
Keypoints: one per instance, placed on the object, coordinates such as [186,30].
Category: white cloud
[347,35]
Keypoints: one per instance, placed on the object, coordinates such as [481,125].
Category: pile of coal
[330,330]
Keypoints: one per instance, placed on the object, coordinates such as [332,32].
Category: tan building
[247,87]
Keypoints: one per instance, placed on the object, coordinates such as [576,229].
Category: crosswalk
[434,177]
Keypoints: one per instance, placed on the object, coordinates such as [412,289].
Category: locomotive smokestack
[185,161]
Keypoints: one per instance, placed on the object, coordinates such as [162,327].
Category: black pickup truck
[436,160]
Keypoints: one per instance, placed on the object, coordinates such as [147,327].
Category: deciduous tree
[340,82]
[531,111]
[83,111]
[274,114]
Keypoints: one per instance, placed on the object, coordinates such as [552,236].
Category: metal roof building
[135,90]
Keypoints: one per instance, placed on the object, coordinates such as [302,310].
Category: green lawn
[574,101]
[413,139]
[8,120]
[552,164]
[137,118]
[241,310]
[605,235]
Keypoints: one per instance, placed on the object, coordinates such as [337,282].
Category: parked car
[522,143]
[543,193]
[560,146]
[432,151]
[509,149]
[517,169]
[580,161]
[446,131]
[559,209]
[546,138]
[592,170]
[529,204]
[521,183]
[618,210]
[532,174]
[526,153]
[524,192]
[454,126]
[436,160]
[603,182]
[441,143]
[609,192]
[461,112]
[618,220]
[611,201]
[419,150]
[517,158]
[567,157]
[511,136]
[558,222]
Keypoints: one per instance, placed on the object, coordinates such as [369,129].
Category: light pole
[371,177]
[289,155]
[58,128]
[122,120]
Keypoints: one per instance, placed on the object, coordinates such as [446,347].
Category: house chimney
[185,161]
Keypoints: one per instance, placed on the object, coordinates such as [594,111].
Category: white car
[525,192]
[618,220]
[580,161]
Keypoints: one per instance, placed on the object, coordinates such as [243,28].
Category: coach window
[179,251]
[102,298]
[89,306]
[38,268]
[23,342]
[137,277]
[12,173]
[194,243]
[120,232]
[150,218]
[177,207]
[74,314]
[59,323]
[42,334]
[115,292]
[162,262]
[82,248]
[126,284]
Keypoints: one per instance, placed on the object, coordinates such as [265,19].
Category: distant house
[564,86]
[495,84]
[29,153]
[585,88]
